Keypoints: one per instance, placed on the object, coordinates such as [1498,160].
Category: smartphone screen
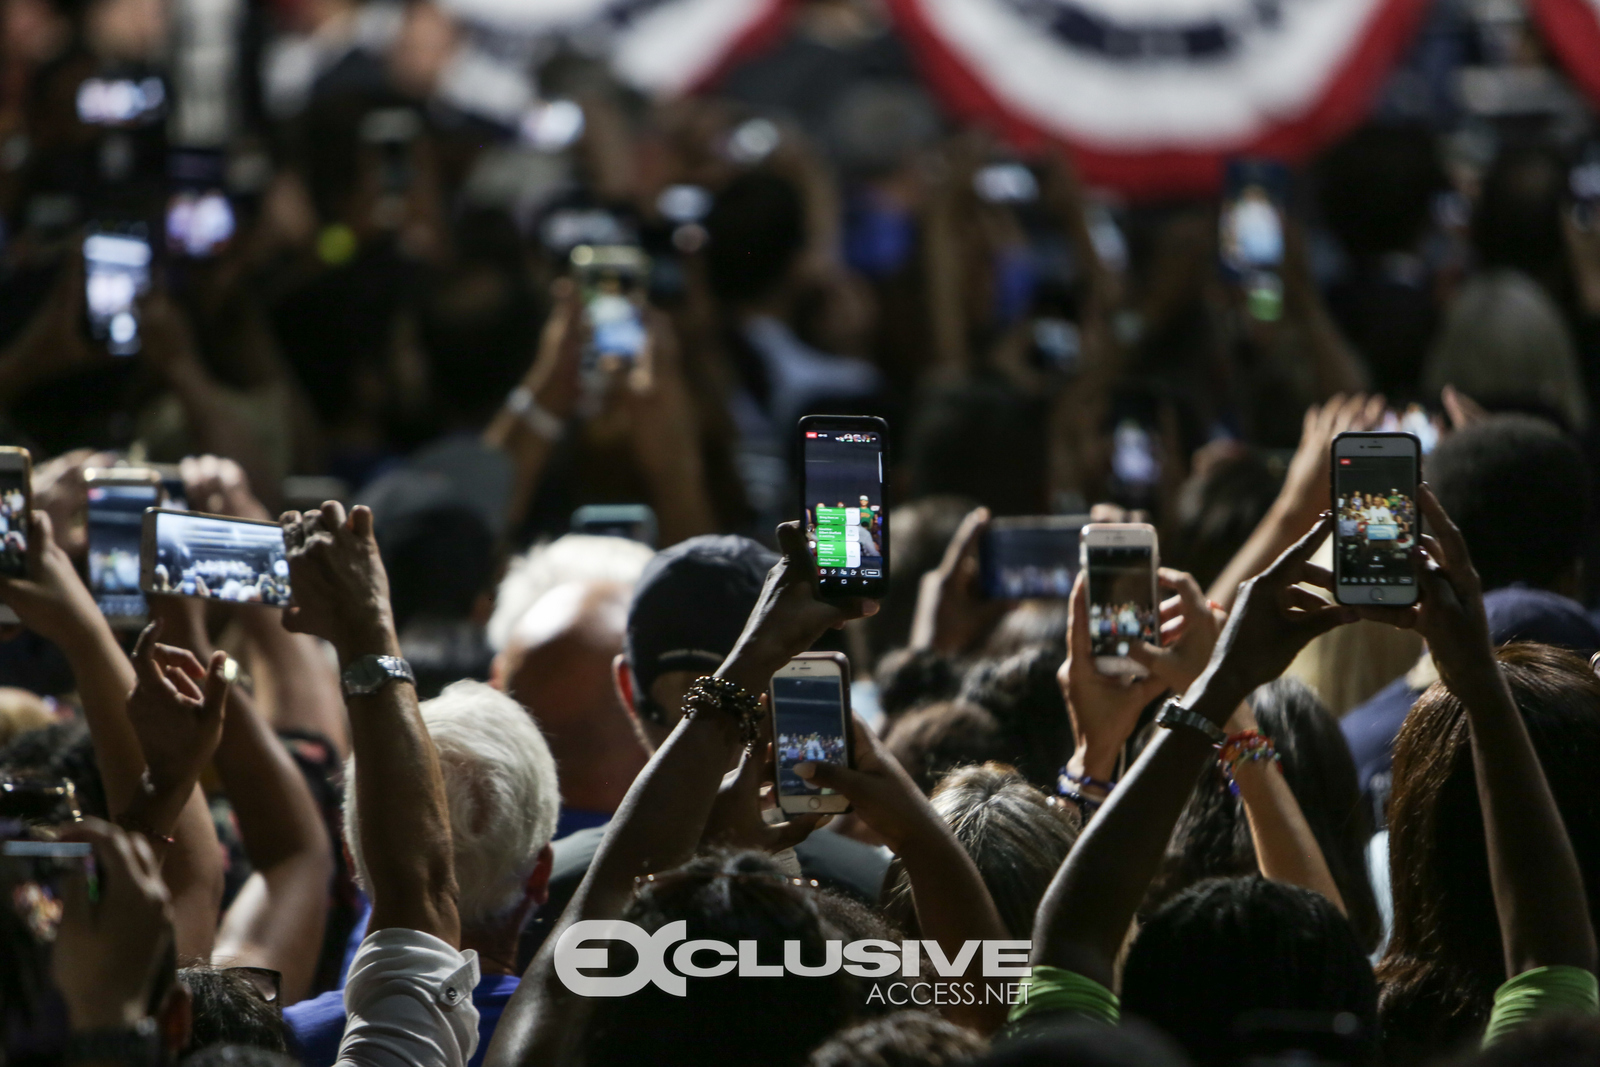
[14,494]
[1122,603]
[116,273]
[1252,215]
[636,522]
[1377,524]
[116,520]
[810,723]
[207,556]
[1030,558]
[612,279]
[842,497]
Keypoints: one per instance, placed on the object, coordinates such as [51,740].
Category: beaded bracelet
[1247,745]
[1087,806]
[719,694]
[1084,779]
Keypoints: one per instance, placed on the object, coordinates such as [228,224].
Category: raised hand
[52,601]
[1189,629]
[176,709]
[788,618]
[340,590]
[1104,707]
[735,820]
[879,789]
[1273,618]
[1450,613]
[108,951]
[220,486]
[952,614]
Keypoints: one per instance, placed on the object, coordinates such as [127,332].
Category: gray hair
[572,558]
[501,789]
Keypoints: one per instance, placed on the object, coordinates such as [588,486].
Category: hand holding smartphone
[1376,521]
[1124,608]
[811,723]
[843,504]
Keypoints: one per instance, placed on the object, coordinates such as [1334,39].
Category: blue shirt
[571,820]
[318,1023]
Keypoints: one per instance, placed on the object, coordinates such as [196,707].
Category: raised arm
[953,903]
[661,820]
[1085,913]
[1305,490]
[1286,849]
[341,594]
[1533,872]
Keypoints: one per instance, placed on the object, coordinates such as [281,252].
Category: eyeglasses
[264,980]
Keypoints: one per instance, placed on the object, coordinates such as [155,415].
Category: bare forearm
[1286,849]
[1538,887]
[954,907]
[1086,911]
[105,677]
[682,503]
[278,818]
[192,869]
[1283,525]
[297,685]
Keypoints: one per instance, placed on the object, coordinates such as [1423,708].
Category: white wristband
[542,423]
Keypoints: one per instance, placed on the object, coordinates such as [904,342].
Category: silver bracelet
[541,423]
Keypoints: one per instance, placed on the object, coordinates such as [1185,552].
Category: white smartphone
[1377,522]
[810,701]
[1120,560]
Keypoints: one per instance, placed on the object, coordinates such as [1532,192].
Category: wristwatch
[1174,714]
[369,674]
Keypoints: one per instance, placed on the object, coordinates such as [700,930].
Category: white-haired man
[558,623]
[501,789]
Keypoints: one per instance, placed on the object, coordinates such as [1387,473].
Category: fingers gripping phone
[810,701]
[1124,608]
[843,504]
[118,498]
[187,553]
[1031,557]
[1376,518]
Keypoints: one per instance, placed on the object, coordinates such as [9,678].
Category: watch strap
[371,673]
[1174,715]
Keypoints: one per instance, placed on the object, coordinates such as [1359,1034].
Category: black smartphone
[1377,523]
[810,701]
[1252,237]
[215,557]
[1033,557]
[200,218]
[118,497]
[612,279]
[116,273]
[843,503]
[636,522]
[16,498]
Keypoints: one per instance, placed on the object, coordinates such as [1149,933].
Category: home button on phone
[814,803]
[1377,596]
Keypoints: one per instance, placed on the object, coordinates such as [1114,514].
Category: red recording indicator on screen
[1344,463]
[811,433]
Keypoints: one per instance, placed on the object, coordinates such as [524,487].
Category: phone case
[843,663]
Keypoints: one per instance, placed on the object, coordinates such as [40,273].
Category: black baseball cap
[691,604]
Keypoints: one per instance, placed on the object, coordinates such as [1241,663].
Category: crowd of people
[366,803]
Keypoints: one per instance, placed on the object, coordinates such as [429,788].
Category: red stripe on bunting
[765,31]
[1572,29]
[1179,172]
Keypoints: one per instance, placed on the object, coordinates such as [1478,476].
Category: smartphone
[33,873]
[843,503]
[116,265]
[1121,560]
[200,220]
[1375,506]
[1005,183]
[391,131]
[1256,193]
[121,101]
[810,701]
[38,799]
[612,279]
[16,500]
[188,553]
[1583,186]
[174,494]
[1035,557]
[636,522]
[118,498]
[1135,428]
